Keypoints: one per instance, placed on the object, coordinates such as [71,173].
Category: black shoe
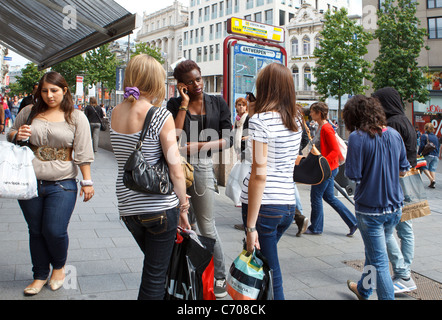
[303,227]
[432,184]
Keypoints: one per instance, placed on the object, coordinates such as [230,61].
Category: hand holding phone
[250,96]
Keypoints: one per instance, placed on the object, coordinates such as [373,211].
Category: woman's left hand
[88,192]
[252,241]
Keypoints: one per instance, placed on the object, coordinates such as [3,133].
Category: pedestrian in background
[61,140]
[325,141]
[401,257]
[152,219]
[268,193]
[376,155]
[14,108]
[205,121]
[432,158]
[95,115]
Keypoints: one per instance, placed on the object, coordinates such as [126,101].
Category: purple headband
[132,91]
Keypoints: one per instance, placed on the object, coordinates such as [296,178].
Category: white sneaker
[403,285]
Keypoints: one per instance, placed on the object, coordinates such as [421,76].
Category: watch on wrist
[86,183]
[251,229]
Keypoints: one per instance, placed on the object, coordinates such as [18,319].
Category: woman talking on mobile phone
[205,123]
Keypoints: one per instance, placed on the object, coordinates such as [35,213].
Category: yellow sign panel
[256,29]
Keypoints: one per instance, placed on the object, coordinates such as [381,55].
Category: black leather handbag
[313,169]
[143,177]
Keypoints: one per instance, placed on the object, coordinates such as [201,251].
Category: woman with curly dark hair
[376,157]
[205,123]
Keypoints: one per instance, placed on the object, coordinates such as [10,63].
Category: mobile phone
[251,96]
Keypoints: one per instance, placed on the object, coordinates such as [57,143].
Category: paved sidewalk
[107,262]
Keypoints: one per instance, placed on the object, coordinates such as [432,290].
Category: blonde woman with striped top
[152,219]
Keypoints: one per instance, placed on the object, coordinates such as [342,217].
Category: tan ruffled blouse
[59,135]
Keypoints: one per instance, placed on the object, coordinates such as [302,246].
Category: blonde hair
[148,75]
[429,127]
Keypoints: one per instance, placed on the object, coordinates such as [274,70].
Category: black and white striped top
[133,202]
[283,149]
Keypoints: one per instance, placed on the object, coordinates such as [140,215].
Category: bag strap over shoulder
[146,126]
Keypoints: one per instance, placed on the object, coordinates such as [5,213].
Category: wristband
[183,108]
[86,183]
[251,229]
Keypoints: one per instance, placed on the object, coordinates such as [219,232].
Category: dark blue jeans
[325,191]
[48,218]
[273,221]
[155,234]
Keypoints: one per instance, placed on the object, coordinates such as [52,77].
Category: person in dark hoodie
[402,256]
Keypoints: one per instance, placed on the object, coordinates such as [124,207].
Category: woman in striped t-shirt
[268,193]
[152,219]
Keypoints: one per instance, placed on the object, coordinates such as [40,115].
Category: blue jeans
[48,218]
[375,230]
[155,234]
[273,221]
[402,257]
[325,191]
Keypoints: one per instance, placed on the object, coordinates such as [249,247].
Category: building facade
[430,14]
[203,37]
[164,29]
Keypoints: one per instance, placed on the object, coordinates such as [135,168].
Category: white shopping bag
[17,176]
[235,181]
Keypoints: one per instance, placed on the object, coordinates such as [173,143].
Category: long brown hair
[275,91]
[67,105]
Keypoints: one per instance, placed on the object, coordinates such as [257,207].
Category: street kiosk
[250,47]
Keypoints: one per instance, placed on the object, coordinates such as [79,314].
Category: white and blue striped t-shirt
[283,150]
[133,202]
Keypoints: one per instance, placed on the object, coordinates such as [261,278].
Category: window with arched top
[295,47]
[295,72]
[307,78]
[306,46]
[318,40]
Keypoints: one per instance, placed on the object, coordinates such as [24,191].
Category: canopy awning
[50,31]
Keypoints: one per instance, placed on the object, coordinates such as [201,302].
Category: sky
[143,6]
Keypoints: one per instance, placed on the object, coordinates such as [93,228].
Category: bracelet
[251,229]
[184,108]
[86,183]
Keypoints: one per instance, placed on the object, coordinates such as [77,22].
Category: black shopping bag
[190,273]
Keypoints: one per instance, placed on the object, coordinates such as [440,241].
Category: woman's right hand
[182,88]
[23,133]
[184,211]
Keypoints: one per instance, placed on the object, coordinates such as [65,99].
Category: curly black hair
[365,114]
[183,68]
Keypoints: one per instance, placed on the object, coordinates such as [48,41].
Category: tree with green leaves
[30,76]
[144,48]
[70,69]
[341,68]
[101,66]
[401,41]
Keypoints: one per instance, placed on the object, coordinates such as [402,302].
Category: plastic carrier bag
[250,278]
[191,270]
[235,181]
[17,175]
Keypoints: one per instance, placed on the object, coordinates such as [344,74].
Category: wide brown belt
[46,153]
